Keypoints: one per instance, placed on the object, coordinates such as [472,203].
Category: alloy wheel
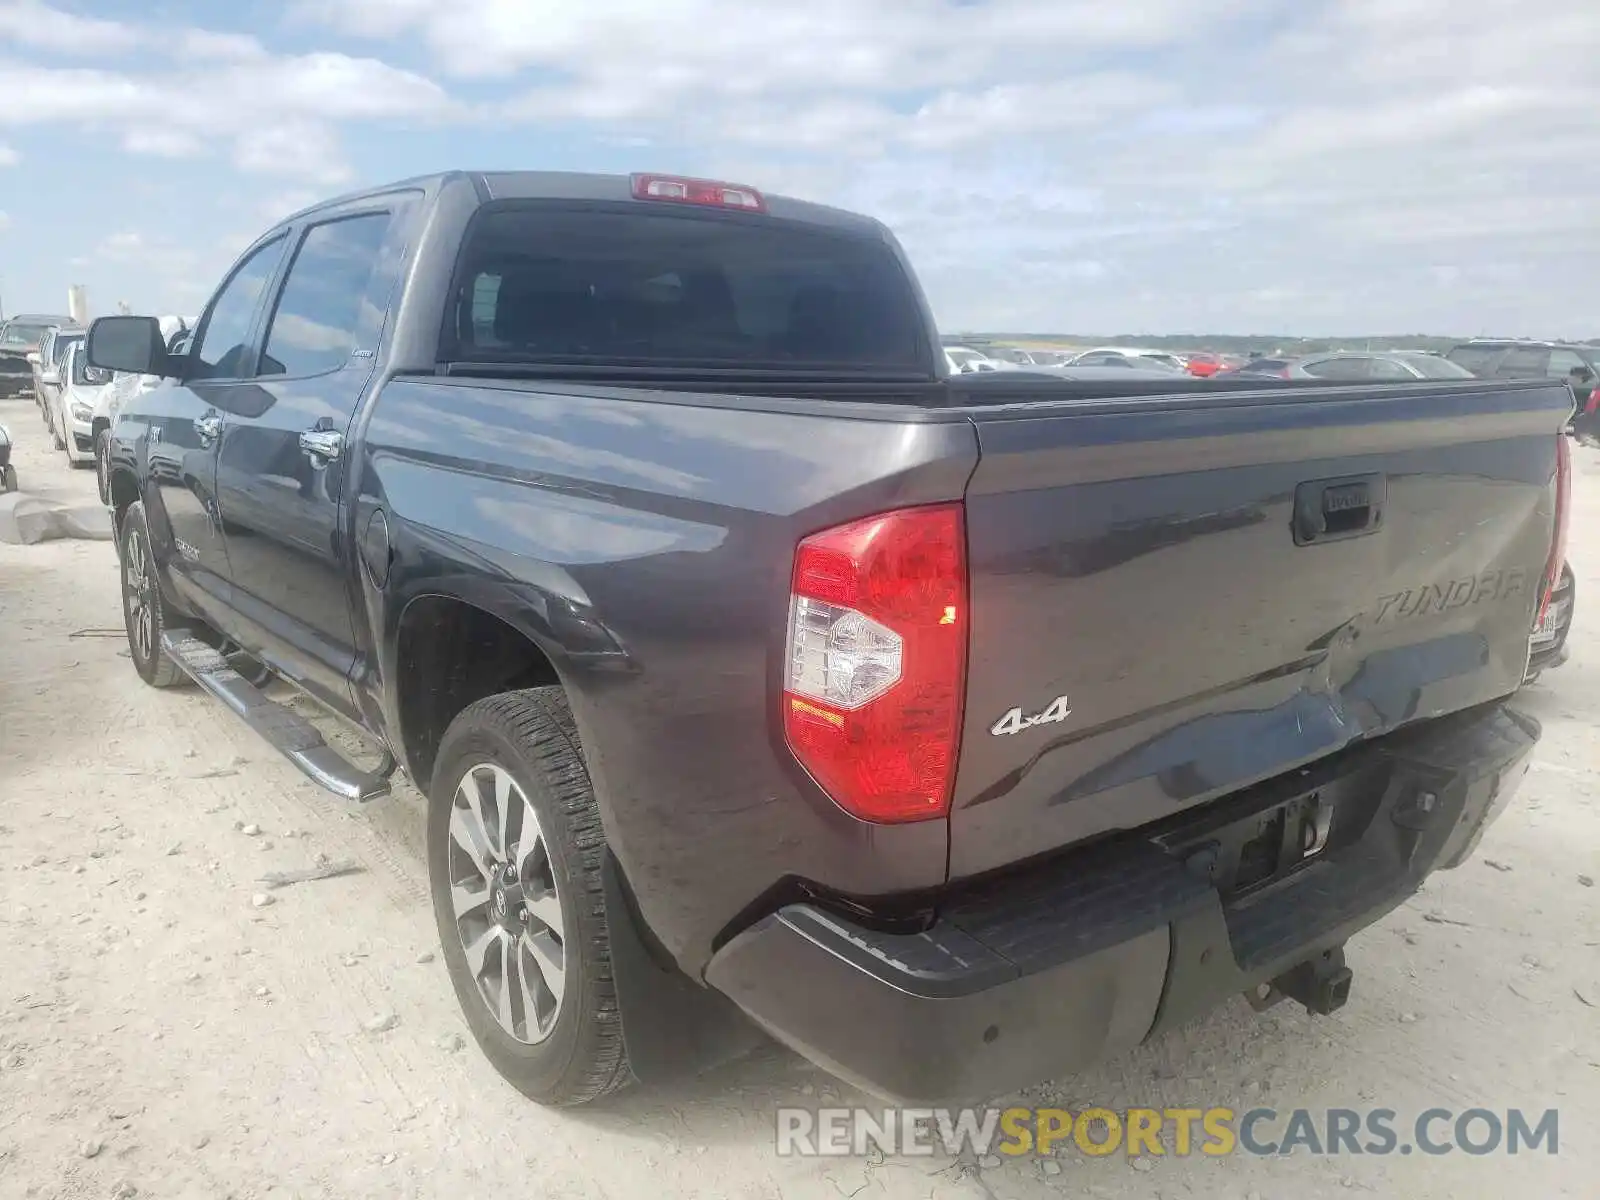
[136,591]
[507,908]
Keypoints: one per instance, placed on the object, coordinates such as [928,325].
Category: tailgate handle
[1330,510]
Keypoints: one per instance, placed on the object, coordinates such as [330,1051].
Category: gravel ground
[162,1036]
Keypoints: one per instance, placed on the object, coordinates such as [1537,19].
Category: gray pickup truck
[760,675]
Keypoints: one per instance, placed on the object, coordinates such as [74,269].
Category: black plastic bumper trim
[1026,978]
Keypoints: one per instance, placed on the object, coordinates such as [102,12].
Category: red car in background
[1205,364]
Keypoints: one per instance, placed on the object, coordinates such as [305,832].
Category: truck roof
[577,185]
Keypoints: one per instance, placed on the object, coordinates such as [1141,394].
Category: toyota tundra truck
[763,676]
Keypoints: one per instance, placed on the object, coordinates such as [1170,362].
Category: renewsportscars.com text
[1180,1132]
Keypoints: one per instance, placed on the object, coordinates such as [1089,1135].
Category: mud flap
[672,1026]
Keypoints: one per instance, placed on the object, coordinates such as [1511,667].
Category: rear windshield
[1479,360]
[543,285]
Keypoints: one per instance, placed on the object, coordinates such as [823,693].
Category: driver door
[185,419]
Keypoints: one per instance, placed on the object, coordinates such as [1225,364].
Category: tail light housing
[1558,548]
[875,667]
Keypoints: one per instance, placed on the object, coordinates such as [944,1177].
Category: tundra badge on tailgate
[1015,722]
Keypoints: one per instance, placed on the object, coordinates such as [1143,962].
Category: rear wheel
[56,439]
[514,860]
[144,609]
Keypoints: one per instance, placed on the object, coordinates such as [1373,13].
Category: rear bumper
[1041,973]
[80,442]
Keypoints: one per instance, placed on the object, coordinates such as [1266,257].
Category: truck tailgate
[1174,597]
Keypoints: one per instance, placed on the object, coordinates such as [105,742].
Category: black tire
[59,442]
[141,598]
[102,464]
[531,737]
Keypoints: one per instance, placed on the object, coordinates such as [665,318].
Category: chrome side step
[296,738]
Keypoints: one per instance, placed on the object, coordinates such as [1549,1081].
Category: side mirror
[96,376]
[33,358]
[127,344]
[50,376]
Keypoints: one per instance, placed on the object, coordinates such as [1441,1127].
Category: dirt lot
[160,1036]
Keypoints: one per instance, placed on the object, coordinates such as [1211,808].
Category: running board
[296,738]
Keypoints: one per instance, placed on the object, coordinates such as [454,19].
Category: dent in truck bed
[1216,648]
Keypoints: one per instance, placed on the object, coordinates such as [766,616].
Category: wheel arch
[449,652]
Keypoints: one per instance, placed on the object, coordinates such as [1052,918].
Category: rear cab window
[318,318]
[547,283]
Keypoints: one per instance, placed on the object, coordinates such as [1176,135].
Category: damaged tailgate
[1176,597]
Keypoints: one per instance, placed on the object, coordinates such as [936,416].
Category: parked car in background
[1266,368]
[1377,366]
[966,361]
[1577,364]
[1011,354]
[49,379]
[1128,358]
[1204,364]
[76,401]
[175,330]
[1105,355]
[1108,373]
[735,665]
[19,347]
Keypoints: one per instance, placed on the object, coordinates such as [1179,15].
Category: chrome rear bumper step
[296,738]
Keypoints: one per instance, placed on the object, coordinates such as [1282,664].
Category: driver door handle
[322,445]
[207,428]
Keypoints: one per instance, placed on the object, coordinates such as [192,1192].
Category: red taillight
[1558,548]
[676,189]
[875,668]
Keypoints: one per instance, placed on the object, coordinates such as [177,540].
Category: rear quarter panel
[646,545]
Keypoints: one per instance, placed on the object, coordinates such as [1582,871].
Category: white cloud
[177,92]
[42,27]
[8,156]
[156,142]
[303,149]
[1348,165]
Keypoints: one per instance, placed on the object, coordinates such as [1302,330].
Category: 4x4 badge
[1015,721]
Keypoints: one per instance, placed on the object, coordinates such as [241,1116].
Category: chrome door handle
[207,428]
[323,445]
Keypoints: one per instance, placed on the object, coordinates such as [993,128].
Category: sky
[1304,167]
